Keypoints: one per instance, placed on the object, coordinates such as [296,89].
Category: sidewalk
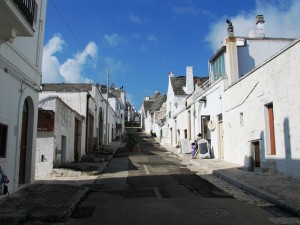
[53,199]
[277,189]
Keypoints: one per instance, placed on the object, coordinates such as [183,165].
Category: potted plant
[132,143]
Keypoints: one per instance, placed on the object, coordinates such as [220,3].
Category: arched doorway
[23,146]
[26,168]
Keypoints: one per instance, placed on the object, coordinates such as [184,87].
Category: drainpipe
[87,122]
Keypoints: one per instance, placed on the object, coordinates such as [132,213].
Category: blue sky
[141,41]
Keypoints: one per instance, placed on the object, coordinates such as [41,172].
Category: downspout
[87,122]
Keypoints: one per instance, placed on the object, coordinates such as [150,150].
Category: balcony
[17,19]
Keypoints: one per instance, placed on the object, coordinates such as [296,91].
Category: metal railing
[26,7]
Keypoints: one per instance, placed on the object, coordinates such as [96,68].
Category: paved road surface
[150,186]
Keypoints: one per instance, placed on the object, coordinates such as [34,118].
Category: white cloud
[182,10]
[51,63]
[280,16]
[143,47]
[114,39]
[72,69]
[135,19]
[186,8]
[152,38]
[116,68]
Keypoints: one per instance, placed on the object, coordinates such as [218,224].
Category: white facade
[206,118]
[246,118]
[87,101]
[253,52]
[57,146]
[20,76]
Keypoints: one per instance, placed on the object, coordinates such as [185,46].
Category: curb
[279,202]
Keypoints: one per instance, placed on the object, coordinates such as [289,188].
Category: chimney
[258,31]
[189,80]
[171,74]
[231,59]
[112,86]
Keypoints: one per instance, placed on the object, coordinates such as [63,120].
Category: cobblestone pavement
[275,193]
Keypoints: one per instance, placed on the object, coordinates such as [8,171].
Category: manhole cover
[82,212]
[213,213]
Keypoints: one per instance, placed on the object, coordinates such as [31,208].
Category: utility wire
[72,32]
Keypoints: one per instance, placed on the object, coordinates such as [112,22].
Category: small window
[241,118]
[3,140]
[185,133]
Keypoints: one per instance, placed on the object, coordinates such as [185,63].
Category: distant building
[178,120]
[149,107]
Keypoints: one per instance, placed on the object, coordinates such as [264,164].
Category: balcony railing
[26,7]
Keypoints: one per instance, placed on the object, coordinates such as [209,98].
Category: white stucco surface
[275,82]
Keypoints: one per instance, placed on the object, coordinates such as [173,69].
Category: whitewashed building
[261,111]
[247,109]
[21,48]
[179,115]
[59,137]
[78,126]
[117,100]
[149,107]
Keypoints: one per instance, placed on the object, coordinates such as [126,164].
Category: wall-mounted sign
[46,120]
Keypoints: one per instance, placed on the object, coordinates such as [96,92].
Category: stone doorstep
[65,173]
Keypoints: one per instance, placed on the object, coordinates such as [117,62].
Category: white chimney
[231,60]
[258,31]
[189,80]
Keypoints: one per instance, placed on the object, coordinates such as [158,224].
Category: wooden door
[256,154]
[272,130]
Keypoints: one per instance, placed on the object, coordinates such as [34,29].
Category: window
[241,118]
[218,67]
[3,140]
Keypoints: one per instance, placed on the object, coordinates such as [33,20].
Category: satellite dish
[211,125]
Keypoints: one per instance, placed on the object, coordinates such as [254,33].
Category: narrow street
[150,186]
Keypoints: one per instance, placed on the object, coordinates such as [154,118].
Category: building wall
[49,143]
[257,51]
[76,101]
[276,82]
[45,147]
[212,107]
[20,76]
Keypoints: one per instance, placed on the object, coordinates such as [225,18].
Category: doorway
[23,146]
[204,128]
[76,140]
[220,136]
[256,149]
[63,148]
